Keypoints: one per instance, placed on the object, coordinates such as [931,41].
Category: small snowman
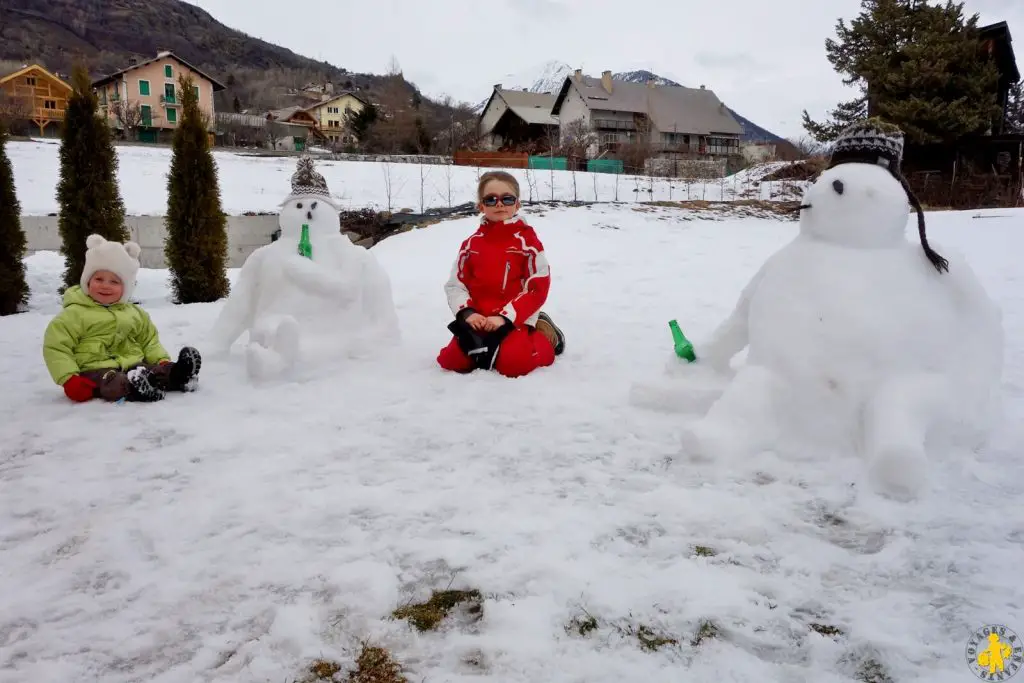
[855,336]
[310,297]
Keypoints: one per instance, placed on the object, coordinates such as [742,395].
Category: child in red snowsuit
[498,284]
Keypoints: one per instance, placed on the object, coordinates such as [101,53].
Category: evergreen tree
[87,192]
[916,65]
[197,240]
[360,122]
[236,105]
[13,289]
[1015,110]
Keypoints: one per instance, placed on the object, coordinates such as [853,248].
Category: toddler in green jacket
[103,346]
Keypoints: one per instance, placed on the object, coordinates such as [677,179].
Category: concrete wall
[245,235]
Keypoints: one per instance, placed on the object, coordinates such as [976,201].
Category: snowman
[856,337]
[311,297]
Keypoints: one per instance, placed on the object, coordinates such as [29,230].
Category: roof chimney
[132,61]
[702,87]
[606,81]
[577,74]
[497,86]
[651,83]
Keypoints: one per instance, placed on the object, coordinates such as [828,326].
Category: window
[168,71]
[30,80]
[144,88]
[172,116]
[147,115]
[169,92]
[49,104]
[195,89]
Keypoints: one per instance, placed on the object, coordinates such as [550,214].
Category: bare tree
[576,139]
[394,68]
[128,116]
[808,146]
[274,132]
[15,113]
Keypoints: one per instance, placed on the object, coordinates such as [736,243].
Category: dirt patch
[800,170]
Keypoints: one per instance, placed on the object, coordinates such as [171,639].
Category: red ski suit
[501,270]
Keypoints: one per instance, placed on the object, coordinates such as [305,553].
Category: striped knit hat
[874,141]
[306,181]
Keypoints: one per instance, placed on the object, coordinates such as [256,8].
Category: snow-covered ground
[253,183]
[236,533]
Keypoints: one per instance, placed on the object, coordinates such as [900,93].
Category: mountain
[105,33]
[550,76]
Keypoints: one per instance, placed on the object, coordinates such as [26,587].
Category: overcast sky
[765,59]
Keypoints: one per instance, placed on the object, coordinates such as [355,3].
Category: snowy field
[236,534]
[251,183]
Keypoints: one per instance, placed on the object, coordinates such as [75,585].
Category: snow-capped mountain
[549,78]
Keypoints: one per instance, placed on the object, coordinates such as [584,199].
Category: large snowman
[856,337]
[303,311]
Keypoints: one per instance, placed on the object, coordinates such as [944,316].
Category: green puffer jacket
[90,336]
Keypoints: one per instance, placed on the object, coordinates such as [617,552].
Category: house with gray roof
[670,120]
[518,118]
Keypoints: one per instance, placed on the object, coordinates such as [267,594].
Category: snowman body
[301,313]
[854,339]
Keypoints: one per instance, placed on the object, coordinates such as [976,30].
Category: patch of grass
[375,665]
[707,629]
[652,641]
[582,625]
[426,616]
[872,671]
[827,630]
[704,551]
[321,670]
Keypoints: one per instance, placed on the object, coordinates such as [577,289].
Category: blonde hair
[501,176]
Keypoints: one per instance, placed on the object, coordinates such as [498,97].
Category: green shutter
[172,115]
[144,88]
[147,115]
[168,71]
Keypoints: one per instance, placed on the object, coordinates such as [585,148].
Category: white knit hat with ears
[120,259]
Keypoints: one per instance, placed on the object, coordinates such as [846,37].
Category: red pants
[522,351]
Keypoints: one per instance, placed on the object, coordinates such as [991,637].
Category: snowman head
[856,205]
[861,199]
[309,203]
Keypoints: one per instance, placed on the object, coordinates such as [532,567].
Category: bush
[87,191]
[196,246]
[13,289]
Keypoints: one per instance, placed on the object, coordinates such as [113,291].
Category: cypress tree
[13,288]
[196,246]
[87,192]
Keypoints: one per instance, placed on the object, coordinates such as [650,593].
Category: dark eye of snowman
[837,185]
[299,205]
[313,206]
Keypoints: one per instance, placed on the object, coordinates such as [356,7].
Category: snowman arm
[321,281]
[236,315]
[732,335]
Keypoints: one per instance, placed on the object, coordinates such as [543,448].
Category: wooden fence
[492,159]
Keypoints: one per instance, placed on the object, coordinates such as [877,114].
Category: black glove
[482,349]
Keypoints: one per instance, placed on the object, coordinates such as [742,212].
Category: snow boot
[547,327]
[185,372]
[141,387]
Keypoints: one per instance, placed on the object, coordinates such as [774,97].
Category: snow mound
[239,533]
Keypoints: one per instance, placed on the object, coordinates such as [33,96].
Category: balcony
[614,124]
[169,101]
[48,115]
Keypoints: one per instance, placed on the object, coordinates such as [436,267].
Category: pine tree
[87,192]
[917,65]
[197,240]
[1015,110]
[13,289]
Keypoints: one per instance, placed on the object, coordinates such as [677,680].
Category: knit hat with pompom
[120,259]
